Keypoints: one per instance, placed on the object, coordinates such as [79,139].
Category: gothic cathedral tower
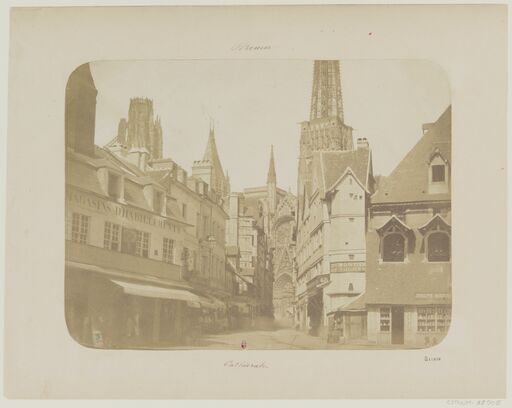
[326,129]
[141,130]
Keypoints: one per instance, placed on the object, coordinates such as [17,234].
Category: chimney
[427,126]
[118,149]
[80,111]
[138,157]
[362,143]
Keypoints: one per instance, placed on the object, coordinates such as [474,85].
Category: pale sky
[256,103]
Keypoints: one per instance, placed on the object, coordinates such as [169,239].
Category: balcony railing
[88,254]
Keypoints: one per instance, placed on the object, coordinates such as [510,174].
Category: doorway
[397,325]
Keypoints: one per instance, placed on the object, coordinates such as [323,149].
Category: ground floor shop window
[434,319]
[385,319]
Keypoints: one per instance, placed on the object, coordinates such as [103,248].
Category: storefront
[105,311]
[422,325]
[349,322]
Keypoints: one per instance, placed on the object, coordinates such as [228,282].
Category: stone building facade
[283,256]
[335,181]
[145,243]
[408,296]
[256,216]
[245,231]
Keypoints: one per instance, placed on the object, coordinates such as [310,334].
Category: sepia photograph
[257,202]
[201,214]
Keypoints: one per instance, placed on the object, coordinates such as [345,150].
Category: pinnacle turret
[271,175]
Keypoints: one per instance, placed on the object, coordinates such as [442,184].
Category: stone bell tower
[326,129]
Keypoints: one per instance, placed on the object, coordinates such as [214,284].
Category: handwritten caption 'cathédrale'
[244,364]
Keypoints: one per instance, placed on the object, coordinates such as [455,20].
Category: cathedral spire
[271,175]
[211,154]
[326,98]
[271,183]
[209,169]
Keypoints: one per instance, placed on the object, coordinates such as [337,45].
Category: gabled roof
[348,171]
[395,221]
[436,220]
[408,182]
[330,166]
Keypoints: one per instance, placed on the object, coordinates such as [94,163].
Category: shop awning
[158,292]
[356,305]
[211,303]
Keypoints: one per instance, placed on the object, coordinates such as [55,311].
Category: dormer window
[158,201]
[438,176]
[438,173]
[395,239]
[438,244]
[114,186]
[437,239]
[393,247]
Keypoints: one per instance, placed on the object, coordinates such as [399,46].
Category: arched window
[438,247]
[350,287]
[393,248]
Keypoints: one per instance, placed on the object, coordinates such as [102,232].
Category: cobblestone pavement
[277,339]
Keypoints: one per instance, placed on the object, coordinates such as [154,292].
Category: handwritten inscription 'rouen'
[250,47]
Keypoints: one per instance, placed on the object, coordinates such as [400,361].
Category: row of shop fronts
[104,310]
[422,324]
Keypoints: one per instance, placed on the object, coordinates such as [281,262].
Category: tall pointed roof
[271,175]
[211,154]
[408,182]
[326,98]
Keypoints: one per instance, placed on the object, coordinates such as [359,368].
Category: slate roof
[405,283]
[81,172]
[358,304]
[408,182]
[329,166]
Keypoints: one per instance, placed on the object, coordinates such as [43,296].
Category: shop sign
[348,267]
[117,210]
[433,296]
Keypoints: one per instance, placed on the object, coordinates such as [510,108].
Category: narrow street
[275,339]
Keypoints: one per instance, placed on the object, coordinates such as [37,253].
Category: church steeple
[211,154]
[326,98]
[272,183]
[271,175]
[209,169]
